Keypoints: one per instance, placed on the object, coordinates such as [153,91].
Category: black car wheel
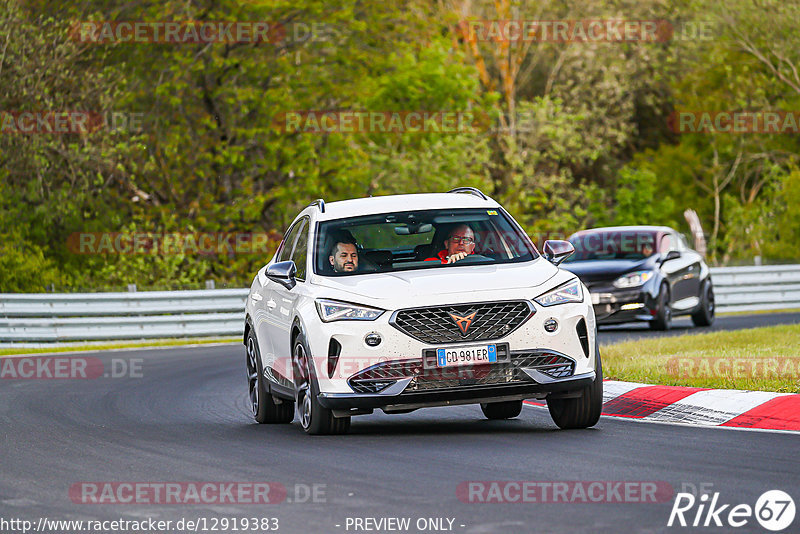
[501,410]
[704,316]
[314,418]
[663,317]
[265,409]
[583,411]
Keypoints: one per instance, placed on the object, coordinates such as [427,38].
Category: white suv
[410,301]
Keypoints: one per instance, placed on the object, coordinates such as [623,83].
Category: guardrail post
[209,284]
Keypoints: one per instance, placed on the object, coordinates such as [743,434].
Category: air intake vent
[382,375]
[334,351]
[583,336]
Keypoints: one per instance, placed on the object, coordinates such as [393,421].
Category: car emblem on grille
[463,322]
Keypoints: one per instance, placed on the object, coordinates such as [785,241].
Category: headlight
[334,310]
[633,279]
[569,292]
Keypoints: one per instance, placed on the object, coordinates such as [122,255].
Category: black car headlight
[634,279]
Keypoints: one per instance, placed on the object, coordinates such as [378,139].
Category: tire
[265,409]
[314,418]
[704,316]
[501,410]
[663,317]
[583,411]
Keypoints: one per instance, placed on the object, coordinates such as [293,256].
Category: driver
[459,244]
[344,256]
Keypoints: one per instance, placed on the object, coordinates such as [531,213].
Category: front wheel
[704,316]
[583,411]
[265,409]
[663,317]
[501,410]
[314,418]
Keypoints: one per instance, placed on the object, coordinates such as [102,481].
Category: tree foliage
[576,135]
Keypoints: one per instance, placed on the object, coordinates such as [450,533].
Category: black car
[642,273]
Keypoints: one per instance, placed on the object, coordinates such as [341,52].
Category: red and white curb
[700,406]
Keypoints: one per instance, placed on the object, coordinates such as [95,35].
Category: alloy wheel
[303,393]
[252,374]
[710,302]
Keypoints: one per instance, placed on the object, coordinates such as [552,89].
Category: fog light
[373,339]
[551,325]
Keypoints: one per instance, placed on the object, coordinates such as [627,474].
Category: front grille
[424,378]
[434,325]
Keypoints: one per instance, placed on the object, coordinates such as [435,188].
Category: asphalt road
[183,416]
[683,325]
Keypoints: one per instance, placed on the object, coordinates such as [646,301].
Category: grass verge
[763,359]
[757,312]
[119,345]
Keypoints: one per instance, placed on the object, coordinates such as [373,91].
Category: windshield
[392,242]
[612,245]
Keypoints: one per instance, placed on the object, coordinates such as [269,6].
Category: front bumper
[614,306]
[395,399]
[396,346]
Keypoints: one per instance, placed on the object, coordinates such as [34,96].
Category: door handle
[271,304]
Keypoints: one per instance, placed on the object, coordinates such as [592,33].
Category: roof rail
[320,203]
[471,190]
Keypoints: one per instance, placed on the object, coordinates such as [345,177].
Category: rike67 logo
[774,510]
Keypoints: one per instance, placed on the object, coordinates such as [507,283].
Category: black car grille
[492,320]
[429,377]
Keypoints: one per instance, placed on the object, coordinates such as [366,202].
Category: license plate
[595,298]
[475,355]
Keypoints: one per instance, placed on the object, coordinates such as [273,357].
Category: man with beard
[344,256]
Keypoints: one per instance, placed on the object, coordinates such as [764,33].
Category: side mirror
[283,273]
[671,255]
[556,251]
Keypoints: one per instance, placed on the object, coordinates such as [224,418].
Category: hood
[430,283]
[607,270]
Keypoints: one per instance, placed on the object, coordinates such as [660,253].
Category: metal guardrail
[46,317]
[756,288]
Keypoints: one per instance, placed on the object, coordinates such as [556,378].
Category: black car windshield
[401,241]
[612,245]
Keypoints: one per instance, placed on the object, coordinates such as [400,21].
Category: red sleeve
[441,257]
